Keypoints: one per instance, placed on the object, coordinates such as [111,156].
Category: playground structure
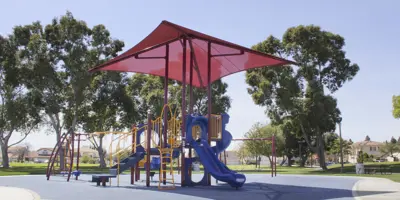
[167,52]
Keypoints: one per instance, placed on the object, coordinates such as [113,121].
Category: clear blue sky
[371,30]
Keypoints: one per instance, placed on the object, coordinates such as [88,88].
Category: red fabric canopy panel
[148,57]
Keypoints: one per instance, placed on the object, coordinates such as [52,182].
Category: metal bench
[102,178]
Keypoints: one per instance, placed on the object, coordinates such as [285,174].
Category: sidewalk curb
[354,190]
[34,194]
[356,187]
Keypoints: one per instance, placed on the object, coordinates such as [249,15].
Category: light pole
[341,146]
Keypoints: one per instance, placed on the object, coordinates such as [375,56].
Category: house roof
[168,40]
[48,149]
[368,143]
[15,148]
[32,154]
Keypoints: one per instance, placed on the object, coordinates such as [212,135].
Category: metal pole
[148,138]
[165,120]
[77,156]
[191,100]
[209,98]
[341,147]
[183,110]
[272,160]
[133,151]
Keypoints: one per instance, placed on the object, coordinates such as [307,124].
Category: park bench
[102,178]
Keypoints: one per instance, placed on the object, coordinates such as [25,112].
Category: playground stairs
[166,155]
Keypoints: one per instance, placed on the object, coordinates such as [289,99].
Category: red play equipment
[192,58]
[66,144]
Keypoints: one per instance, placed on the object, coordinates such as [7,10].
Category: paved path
[376,189]
[13,193]
[282,187]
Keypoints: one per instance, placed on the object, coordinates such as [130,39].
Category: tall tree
[391,147]
[334,147]
[242,153]
[56,59]
[396,106]
[42,75]
[264,147]
[300,94]
[18,113]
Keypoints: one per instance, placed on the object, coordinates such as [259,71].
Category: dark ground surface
[258,186]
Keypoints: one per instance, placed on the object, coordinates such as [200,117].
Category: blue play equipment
[209,155]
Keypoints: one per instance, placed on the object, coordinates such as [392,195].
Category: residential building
[366,146]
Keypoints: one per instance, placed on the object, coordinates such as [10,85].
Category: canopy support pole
[183,111]
[164,145]
[209,100]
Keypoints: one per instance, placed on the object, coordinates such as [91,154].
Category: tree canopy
[298,94]
[264,147]
[148,92]
[18,112]
[53,62]
[396,106]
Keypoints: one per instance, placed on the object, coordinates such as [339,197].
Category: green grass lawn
[33,168]
[334,170]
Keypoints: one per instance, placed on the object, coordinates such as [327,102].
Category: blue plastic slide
[216,168]
[208,155]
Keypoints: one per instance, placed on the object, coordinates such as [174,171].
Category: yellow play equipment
[160,142]
[119,150]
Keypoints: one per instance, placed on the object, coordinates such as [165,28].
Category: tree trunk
[102,157]
[61,152]
[321,152]
[283,160]
[290,162]
[256,161]
[4,154]
[100,151]
[302,161]
[320,149]
[55,123]
[270,160]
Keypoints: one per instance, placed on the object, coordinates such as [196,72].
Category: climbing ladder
[166,160]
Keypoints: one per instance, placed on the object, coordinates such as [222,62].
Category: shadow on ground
[257,190]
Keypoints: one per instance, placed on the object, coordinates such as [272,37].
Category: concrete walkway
[13,193]
[376,189]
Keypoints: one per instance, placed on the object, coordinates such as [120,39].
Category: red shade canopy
[148,57]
